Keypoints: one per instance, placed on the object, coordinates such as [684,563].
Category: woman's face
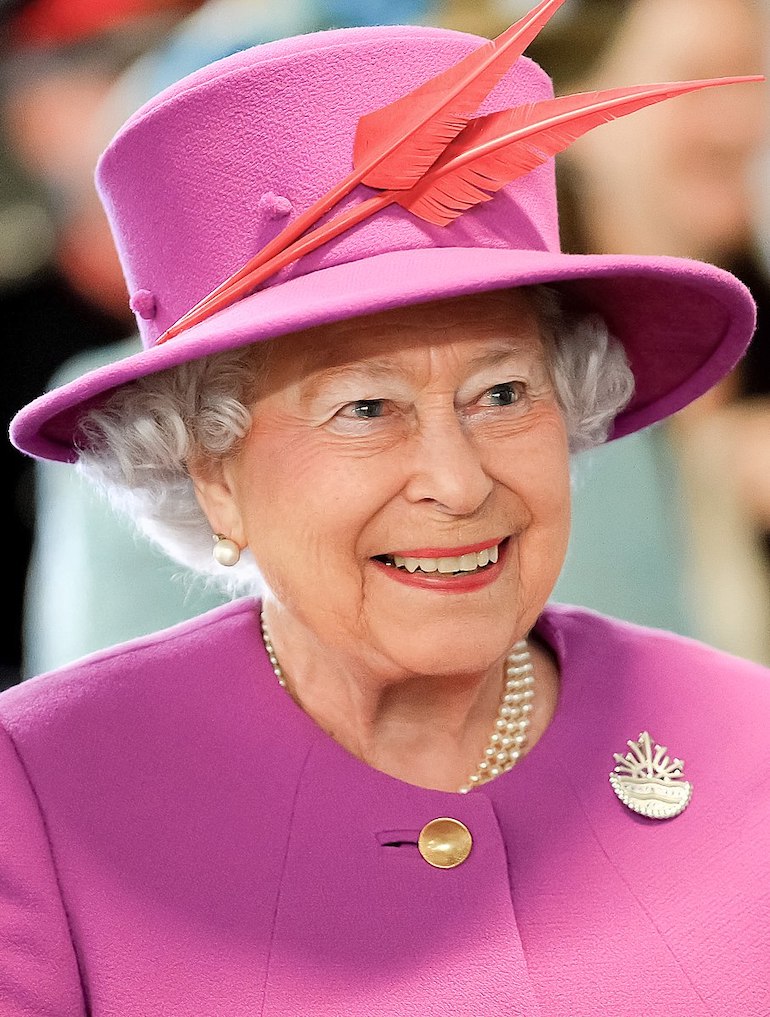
[405,485]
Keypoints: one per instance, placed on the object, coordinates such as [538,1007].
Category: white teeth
[424,564]
[462,563]
[448,564]
[412,564]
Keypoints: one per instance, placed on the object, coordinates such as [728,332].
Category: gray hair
[135,447]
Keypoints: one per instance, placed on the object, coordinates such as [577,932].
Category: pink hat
[205,175]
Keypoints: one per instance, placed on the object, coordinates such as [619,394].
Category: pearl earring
[226,552]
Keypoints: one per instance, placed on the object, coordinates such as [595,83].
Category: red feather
[395,145]
[496,149]
[488,153]
[491,152]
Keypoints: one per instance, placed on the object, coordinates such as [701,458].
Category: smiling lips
[466,560]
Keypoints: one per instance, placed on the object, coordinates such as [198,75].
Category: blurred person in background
[682,182]
[60,285]
[72,605]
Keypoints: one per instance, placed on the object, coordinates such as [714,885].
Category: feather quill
[496,149]
[491,152]
[401,141]
[397,144]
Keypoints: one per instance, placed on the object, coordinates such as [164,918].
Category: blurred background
[671,527]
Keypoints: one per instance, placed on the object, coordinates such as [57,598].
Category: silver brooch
[650,783]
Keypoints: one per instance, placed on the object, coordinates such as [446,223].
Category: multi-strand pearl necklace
[509,736]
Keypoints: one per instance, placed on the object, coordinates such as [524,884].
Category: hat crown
[206,174]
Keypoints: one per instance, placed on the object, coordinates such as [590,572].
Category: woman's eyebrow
[369,371]
[496,355]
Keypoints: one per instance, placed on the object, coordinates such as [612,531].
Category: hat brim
[684,324]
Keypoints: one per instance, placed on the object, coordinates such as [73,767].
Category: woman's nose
[446,468]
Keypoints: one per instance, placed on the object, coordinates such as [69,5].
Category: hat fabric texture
[203,176]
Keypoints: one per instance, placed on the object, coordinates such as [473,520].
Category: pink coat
[179,839]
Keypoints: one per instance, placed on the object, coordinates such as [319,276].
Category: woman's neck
[426,730]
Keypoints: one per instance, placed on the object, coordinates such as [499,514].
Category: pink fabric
[180,839]
[185,185]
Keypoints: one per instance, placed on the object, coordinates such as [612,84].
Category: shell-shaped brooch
[650,783]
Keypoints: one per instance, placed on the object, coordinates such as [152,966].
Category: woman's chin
[446,649]
[446,633]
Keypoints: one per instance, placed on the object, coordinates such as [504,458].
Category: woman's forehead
[498,321]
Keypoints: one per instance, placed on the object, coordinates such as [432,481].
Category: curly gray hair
[135,448]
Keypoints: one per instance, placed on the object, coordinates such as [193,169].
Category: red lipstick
[438,582]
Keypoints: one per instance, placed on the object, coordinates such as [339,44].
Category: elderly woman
[391,778]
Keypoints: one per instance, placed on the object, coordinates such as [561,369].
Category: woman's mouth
[468,563]
[469,568]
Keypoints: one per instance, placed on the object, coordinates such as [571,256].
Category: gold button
[445,843]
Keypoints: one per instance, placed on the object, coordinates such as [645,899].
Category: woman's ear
[217,499]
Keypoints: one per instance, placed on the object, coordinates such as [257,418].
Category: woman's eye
[362,409]
[504,395]
[366,409]
[363,417]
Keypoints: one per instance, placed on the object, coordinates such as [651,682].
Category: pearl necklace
[509,735]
